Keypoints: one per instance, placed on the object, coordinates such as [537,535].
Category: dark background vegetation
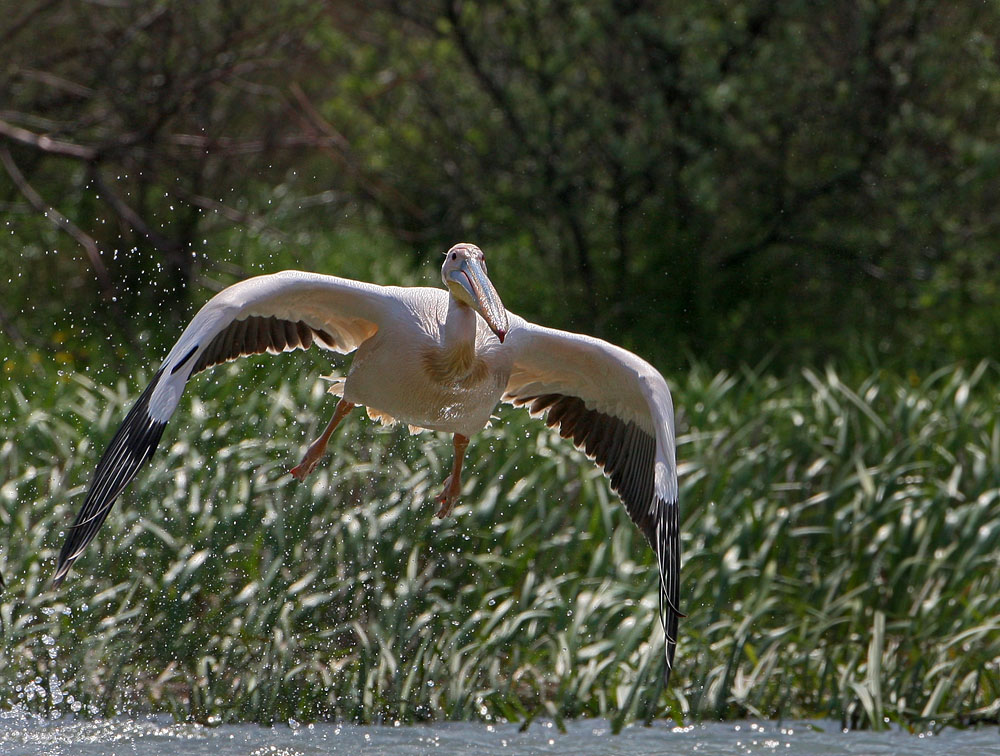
[724,180]
[790,208]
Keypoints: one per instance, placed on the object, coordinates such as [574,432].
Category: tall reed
[840,558]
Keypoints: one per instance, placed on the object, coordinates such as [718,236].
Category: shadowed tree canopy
[726,179]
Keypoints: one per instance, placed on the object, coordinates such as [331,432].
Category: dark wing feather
[335,313]
[132,445]
[257,335]
[136,440]
[617,408]
[626,454]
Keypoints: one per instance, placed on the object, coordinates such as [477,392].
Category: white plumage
[434,359]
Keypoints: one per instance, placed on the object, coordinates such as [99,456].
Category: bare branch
[60,83]
[59,220]
[27,18]
[338,147]
[46,144]
[31,120]
[231,214]
[130,216]
[232,146]
[493,89]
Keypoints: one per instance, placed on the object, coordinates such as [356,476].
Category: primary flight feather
[434,359]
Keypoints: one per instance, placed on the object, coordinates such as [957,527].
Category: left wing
[276,313]
[616,407]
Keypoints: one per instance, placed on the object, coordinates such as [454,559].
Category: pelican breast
[406,371]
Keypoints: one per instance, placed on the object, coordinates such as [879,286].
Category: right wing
[275,313]
[617,408]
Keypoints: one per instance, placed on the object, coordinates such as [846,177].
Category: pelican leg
[318,447]
[453,485]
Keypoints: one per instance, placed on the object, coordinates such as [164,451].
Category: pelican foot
[449,496]
[309,461]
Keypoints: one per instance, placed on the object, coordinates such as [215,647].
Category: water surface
[22,734]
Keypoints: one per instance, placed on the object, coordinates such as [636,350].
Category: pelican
[438,360]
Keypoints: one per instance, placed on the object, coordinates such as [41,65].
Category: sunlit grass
[840,558]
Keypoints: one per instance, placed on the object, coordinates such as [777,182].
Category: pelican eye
[454,255]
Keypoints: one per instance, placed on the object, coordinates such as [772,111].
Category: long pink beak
[473,279]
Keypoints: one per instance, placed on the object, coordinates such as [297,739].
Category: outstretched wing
[617,408]
[275,313]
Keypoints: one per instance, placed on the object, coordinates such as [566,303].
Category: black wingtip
[669,650]
[132,444]
[62,570]
[665,539]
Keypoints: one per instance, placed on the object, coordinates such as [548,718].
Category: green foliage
[753,176]
[838,558]
[848,549]
[725,180]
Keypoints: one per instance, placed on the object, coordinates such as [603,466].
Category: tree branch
[475,63]
[26,18]
[335,144]
[59,220]
[46,144]
[130,216]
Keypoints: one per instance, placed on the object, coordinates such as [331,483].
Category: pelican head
[464,273]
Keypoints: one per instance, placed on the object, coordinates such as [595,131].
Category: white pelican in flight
[432,359]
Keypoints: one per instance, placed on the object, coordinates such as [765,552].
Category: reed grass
[840,558]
